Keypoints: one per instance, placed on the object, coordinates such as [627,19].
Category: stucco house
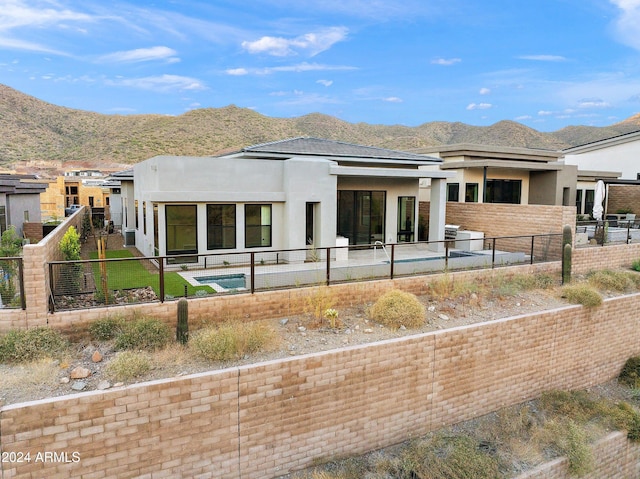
[20,201]
[297,193]
[499,174]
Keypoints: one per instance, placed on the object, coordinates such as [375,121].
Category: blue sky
[544,63]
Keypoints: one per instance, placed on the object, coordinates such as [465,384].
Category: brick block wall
[263,420]
[594,258]
[33,231]
[497,220]
[614,458]
[623,197]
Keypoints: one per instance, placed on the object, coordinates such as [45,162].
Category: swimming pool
[224,281]
[452,254]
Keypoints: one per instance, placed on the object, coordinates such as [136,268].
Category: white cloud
[325,82]
[523,117]
[545,113]
[142,55]
[446,61]
[484,91]
[162,83]
[543,58]
[310,43]
[393,99]
[593,103]
[479,106]
[301,67]
[19,14]
[237,71]
[627,25]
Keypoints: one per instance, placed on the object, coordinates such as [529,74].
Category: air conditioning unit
[451,231]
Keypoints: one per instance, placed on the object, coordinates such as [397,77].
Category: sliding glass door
[361,216]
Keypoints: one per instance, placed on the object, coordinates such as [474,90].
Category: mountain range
[36,132]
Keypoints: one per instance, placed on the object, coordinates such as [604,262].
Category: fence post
[493,253]
[446,255]
[161,272]
[23,301]
[533,237]
[52,305]
[253,272]
[393,256]
[628,231]
[328,266]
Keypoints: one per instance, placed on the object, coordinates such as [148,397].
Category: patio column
[437,213]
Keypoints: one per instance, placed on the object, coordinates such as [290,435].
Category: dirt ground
[300,334]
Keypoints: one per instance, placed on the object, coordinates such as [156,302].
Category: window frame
[222,227]
[262,226]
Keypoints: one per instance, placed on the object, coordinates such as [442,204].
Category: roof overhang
[594,175]
[427,161]
[504,164]
[607,142]
[388,172]
[473,151]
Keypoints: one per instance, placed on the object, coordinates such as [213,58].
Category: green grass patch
[144,333]
[132,274]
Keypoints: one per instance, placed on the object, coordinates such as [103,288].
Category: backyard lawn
[133,274]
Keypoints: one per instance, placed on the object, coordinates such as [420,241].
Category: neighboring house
[81,187]
[497,174]
[19,201]
[619,153]
[290,194]
[120,185]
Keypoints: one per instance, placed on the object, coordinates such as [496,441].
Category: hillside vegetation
[33,130]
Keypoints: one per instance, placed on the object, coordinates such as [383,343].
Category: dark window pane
[182,236]
[221,226]
[453,192]
[257,220]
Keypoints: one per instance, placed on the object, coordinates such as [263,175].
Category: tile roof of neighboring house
[121,175]
[321,147]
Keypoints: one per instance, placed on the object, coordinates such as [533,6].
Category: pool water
[226,281]
[452,254]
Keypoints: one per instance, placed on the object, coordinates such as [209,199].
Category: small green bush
[630,374]
[31,344]
[582,294]
[635,265]
[106,329]
[146,333]
[232,340]
[396,308]
[128,365]
[577,450]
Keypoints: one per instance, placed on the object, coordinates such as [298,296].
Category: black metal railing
[113,281]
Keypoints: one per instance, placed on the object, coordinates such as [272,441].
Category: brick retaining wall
[263,420]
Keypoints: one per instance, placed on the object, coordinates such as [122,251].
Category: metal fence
[607,232]
[12,283]
[113,281]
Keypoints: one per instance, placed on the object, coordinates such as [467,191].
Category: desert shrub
[612,280]
[318,302]
[624,416]
[31,344]
[457,457]
[396,308]
[105,329]
[630,374]
[582,294]
[577,450]
[635,265]
[144,333]
[128,365]
[233,340]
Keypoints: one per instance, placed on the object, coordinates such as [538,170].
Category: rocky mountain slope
[35,131]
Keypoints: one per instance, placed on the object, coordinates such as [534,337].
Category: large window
[3,219]
[257,225]
[471,193]
[182,231]
[221,226]
[589,199]
[406,213]
[453,191]
[579,202]
[504,191]
[361,216]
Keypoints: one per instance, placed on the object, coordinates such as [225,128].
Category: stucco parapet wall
[201,196]
[388,172]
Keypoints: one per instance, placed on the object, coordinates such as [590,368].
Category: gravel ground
[300,335]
